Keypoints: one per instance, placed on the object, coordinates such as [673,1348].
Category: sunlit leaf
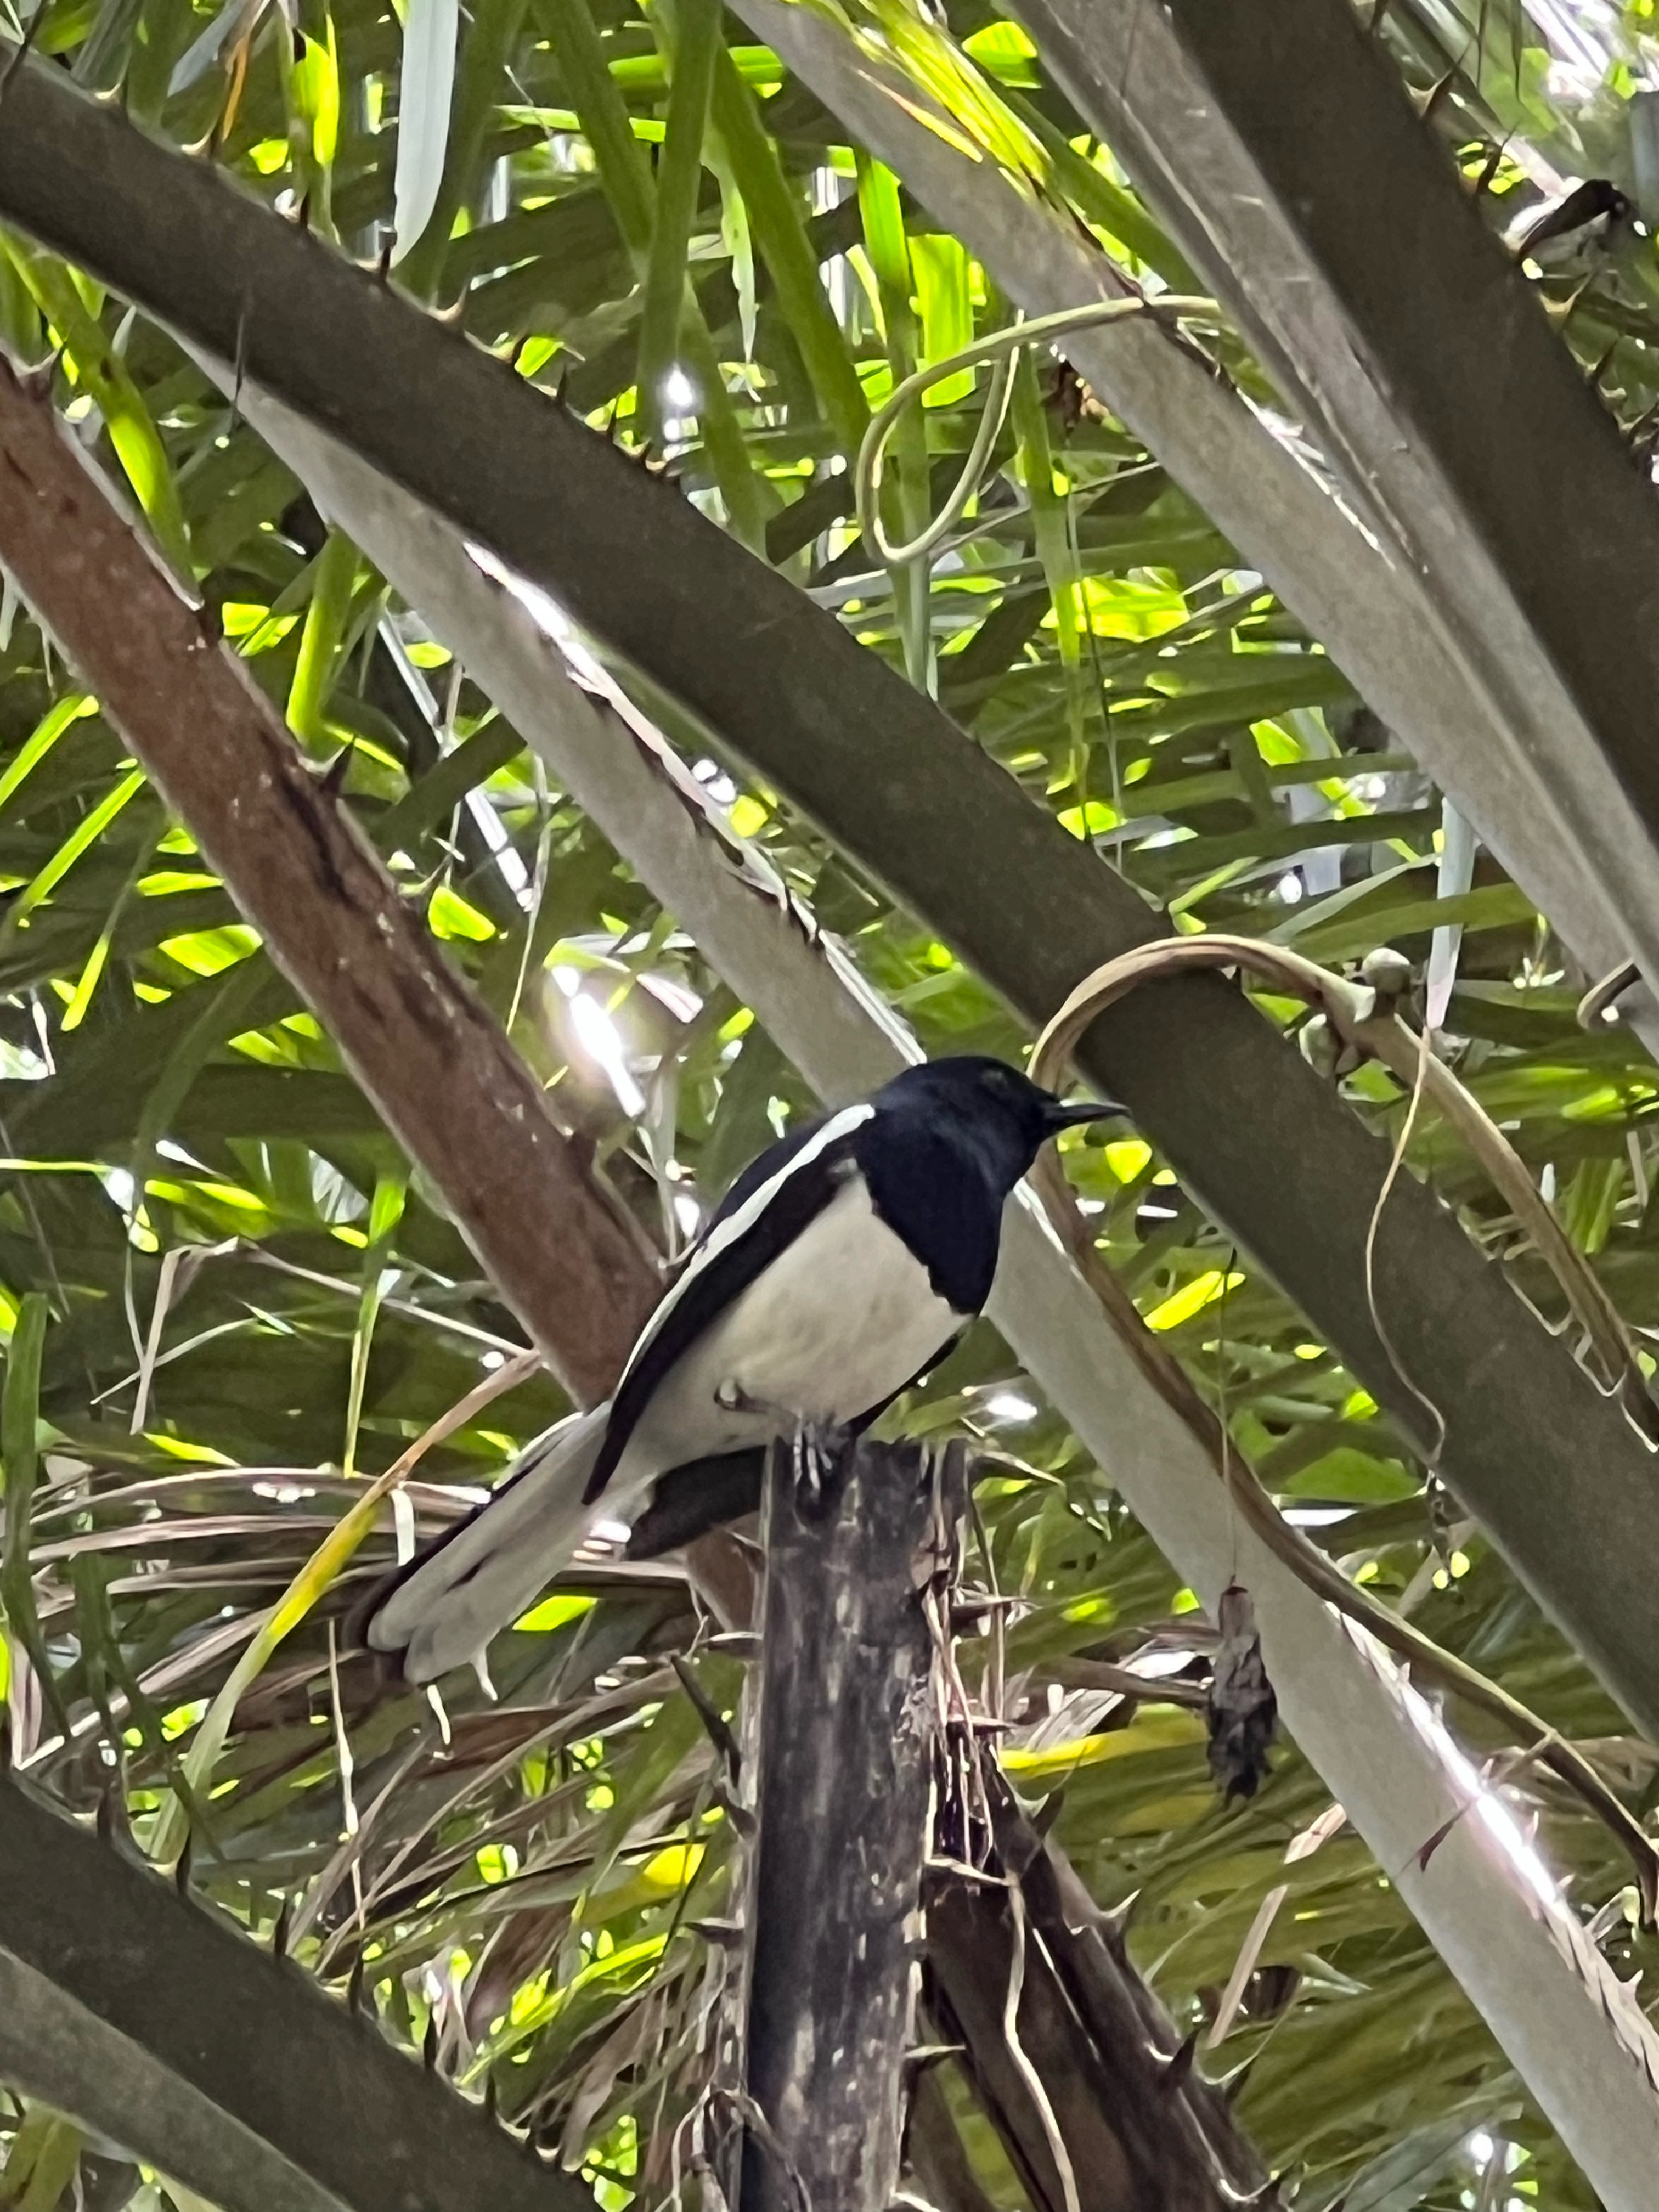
[431,29]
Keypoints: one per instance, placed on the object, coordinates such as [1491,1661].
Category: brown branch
[1139,2128]
[1178,2129]
[422,1045]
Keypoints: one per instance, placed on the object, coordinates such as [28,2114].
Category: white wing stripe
[726,1233]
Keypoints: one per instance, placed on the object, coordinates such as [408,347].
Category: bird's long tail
[440,1610]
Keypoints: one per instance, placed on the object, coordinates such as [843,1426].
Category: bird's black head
[1005,1117]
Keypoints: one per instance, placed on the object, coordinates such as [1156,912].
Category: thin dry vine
[1353,1013]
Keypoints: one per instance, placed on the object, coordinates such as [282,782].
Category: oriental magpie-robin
[839,1267]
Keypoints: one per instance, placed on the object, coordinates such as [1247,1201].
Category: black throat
[939,1181]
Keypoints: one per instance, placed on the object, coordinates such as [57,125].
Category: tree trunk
[854,1534]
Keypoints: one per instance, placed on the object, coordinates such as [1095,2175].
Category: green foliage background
[227,1300]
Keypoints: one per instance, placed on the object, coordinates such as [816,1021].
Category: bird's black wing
[762,1169]
[738,1247]
[691,1499]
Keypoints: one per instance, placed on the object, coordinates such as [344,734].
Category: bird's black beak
[1063,1115]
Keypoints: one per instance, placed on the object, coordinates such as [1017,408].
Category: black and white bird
[840,1266]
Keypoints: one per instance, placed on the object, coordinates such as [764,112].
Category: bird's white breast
[839,1322]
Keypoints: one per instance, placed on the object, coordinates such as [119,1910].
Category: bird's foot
[819,1452]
